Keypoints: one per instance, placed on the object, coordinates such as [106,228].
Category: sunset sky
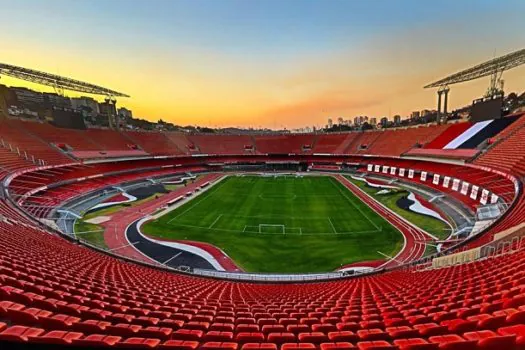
[272,63]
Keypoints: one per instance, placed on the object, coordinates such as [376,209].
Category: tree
[366,126]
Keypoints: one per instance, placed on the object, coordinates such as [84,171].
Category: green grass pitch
[282,224]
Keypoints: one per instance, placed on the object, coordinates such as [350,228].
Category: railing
[25,155]
[260,277]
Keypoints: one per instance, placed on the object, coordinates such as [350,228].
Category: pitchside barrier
[270,277]
[504,242]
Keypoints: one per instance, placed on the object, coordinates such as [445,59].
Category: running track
[414,248]
[115,229]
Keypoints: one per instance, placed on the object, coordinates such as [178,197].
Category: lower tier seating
[55,292]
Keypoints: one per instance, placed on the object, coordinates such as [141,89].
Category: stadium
[406,237]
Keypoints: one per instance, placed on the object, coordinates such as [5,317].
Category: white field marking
[170,259]
[332,224]
[354,205]
[257,228]
[213,223]
[124,246]
[270,196]
[293,230]
[273,225]
[195,197]
[410,224]
[274,197]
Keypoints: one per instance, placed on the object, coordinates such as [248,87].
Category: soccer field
[282,224]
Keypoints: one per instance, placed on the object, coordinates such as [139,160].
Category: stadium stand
[396,142]
[73,138]
[364,143]
[28,145]
[334,143]
[517,124]
[509,153]
[56,292]
[153,143]
[448,135]
[284,144]
[222,144]
[184,145]
[109,140]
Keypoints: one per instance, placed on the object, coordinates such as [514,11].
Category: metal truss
[56,81]
[495,66]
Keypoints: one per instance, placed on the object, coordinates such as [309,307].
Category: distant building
[415,115]
[425,112]
[107,109]
[373,121]
[330,122]
[86,105]
[397,119]
[384,122]
[57,101]
[125,113]
[26,96]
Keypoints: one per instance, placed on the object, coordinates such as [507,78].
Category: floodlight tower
[496,84]
[116,121]
[60,84]
[494,68]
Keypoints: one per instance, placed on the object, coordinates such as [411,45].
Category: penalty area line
[214,222]
[332,224]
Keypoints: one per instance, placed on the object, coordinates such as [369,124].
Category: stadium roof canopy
[496,65]
[56,81]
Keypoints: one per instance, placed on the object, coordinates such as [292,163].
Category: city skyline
[271,64]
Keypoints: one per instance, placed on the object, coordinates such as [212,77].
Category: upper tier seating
[334,143]
[181,141]
[517,124]
[284,144]
[396,142]
[363,144]
[47,132]
[448,135]
[154,142]
[221,144]
[11,161]
[12,132]
[508,155]
[108,140]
